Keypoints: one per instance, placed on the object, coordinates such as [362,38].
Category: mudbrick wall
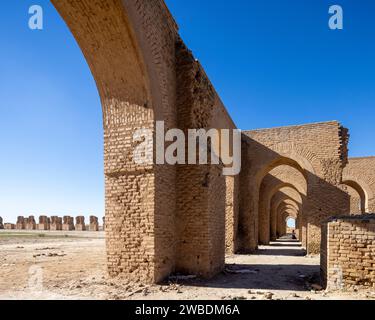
[348,253]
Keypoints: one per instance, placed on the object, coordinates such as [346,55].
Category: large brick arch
[159,218]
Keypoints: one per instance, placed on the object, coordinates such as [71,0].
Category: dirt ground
[71,265]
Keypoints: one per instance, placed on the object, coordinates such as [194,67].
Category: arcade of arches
[162,219]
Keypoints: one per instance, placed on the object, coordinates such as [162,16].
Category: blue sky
[273,63]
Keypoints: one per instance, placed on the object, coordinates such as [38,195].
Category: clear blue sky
[273,63]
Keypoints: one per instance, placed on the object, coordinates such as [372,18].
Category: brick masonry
[317,153]
[348,253]
[161,219]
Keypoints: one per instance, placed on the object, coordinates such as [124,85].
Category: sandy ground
[71,265]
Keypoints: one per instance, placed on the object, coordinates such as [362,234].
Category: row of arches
[284,194]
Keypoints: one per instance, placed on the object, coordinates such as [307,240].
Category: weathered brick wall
[201,189]
[136,57]
[348,253]
[318,151]
[1,223]
[359,175]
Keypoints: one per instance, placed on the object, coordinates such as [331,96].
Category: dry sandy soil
[71,265]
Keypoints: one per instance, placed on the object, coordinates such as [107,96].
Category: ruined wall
[201,189]
[348,253]
[360,175]
[1,223]
[319,151]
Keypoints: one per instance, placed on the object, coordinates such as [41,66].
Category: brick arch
[276,202]
[266,214]
[133,80]
[283,213]
[145,73]
[359,195]
[364,190]
[299,163]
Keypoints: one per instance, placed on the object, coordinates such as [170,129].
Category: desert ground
[72,265]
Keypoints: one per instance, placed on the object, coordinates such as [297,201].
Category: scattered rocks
[269,295]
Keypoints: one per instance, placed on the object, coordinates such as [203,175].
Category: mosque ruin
[163,219]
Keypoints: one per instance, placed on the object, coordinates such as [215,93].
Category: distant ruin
[80,223]
[56,223]
[68,223]
[30,223]
[94,224]
[44,223]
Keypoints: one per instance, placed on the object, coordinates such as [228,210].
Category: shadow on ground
[275,274]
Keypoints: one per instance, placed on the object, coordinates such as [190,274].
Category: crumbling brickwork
[137,61]
[1,223]
[348,253]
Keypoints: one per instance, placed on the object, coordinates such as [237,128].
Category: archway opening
[358,197]
[290,225]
